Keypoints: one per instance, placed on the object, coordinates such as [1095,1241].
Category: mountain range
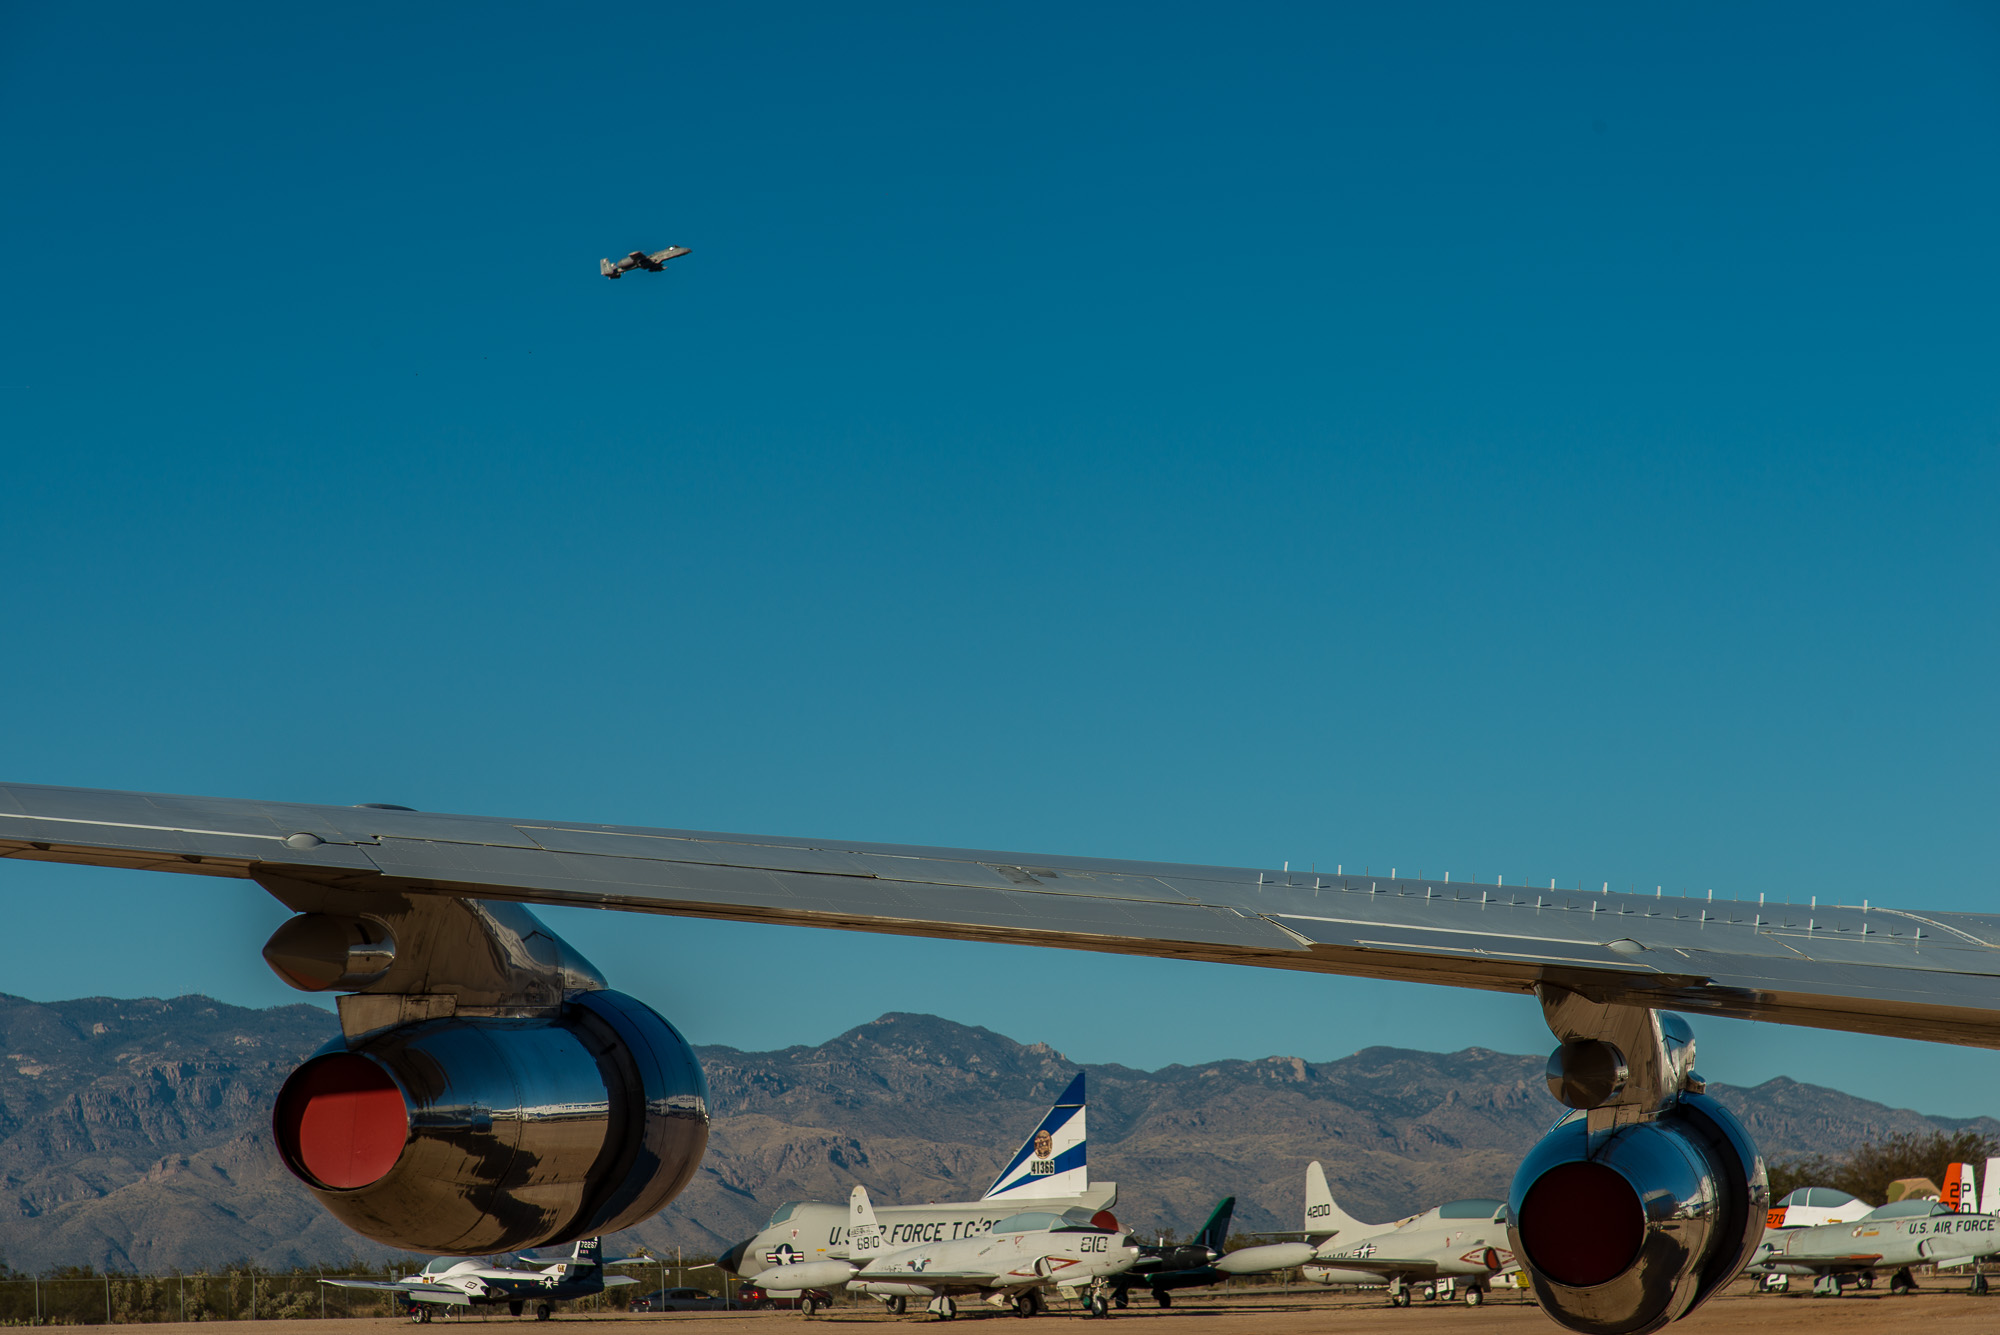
[134,1133]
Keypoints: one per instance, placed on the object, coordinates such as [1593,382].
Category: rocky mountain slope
[133,1133]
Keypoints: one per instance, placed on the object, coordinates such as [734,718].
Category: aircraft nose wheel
[944,1309]
[1098,1306]
[1027,1304]
[1903,1281]
[543,1311]
[1474,1296]
[809,1305]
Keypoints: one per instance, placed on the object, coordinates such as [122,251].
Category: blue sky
[1557,442]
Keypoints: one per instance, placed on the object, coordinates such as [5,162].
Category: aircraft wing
[1867,970]
[615,1281]
[416,1293]
[670,253]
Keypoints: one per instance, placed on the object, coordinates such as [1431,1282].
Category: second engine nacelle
[1627,1229]
[477,1134]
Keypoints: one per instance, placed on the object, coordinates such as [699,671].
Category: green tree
[1867,1172]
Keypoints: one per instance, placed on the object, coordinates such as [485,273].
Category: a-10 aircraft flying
[464,1018]
[1461,1241]
[639,259]
[458,1281]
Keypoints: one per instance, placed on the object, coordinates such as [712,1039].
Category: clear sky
[1551,441]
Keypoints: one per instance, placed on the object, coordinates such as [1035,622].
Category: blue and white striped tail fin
[1051,1162]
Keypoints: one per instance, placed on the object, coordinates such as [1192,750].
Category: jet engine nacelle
[1627,1228]
[480,1134]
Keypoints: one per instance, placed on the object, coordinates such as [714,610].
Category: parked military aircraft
[1164,1267]
[1628,1215]
[459,1281]
[639,259]
[1050,1172]
[1464,1242]
[1893,1238]
[1011,1265]
[1854,1242]
[1806,1206]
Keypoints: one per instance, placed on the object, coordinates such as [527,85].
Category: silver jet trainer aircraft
[639,259]
[472,1036]
[1011,1265]
[458,1281]
[1893,1237]
[1463,1242]
[1050,1173]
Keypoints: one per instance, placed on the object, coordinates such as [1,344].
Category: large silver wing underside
[1863,969]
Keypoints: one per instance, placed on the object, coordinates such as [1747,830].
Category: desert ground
[1942,1306]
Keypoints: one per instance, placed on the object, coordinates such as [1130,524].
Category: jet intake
[1627,1227]
[484,1134]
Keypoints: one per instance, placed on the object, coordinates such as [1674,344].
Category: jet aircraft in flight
[1461,1241]
[459,1281]
[639,259]
[1626,1216]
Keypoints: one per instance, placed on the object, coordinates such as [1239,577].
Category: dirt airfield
[1941,1306]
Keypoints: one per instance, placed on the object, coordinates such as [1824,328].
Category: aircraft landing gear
[1028,1303]
[1903,1281]
[1122,1298]
[1098,1307]
[420,1315]
[1978,1284]
[1474,1295]
[514,1308]
[896,1305]
[1864,1280]
[543,1311]
[1399,1293]
[943,1308]
[1826,1286]
[1161,1298]
[809,1305]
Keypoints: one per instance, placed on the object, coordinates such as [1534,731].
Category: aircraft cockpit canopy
[1036,1221]
[437,1265]
[1907,1210]
[783,1213]
[1819,1198]
[1472,1209]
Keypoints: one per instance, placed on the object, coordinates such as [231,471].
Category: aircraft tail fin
[608,269]
[1214,1234]
[1322,1215]
[1989,1203]
[864,1234]
[588,1254]
[1051,1162]
[1958,1195]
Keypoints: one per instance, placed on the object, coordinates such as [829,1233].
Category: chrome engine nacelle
[1627,1227]
[482,1134]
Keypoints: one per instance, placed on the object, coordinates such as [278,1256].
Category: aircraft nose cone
[732,1260]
